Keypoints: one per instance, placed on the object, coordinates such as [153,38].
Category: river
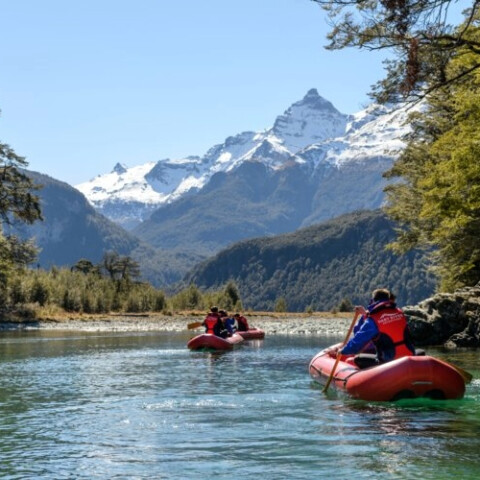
[77,405]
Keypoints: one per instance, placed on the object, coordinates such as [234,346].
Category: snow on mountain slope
[128,181]
[310,131]
[373,133]
[309,121]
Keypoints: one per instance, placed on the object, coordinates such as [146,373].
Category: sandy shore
[301,324]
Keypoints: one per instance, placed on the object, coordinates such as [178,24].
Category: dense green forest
[329,266]
[318,268]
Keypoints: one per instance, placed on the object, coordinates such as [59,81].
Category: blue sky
[86,84]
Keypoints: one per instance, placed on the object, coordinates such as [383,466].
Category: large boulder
[449,319]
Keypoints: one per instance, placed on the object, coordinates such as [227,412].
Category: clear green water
[141,406]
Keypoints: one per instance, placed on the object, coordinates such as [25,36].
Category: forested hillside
[250,202]
[319,266]
[71,230]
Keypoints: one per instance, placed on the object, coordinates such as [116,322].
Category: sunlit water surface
[142,406]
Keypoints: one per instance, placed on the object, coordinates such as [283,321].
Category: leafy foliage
[74,291]
[417,31]
[438,203]
[17,200]
[87,290]
[345,305]
[18,203]
[280,305]
[189,298]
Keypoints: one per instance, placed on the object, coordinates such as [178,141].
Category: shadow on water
[412,417]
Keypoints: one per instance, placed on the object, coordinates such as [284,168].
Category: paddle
[325,388]
[193,325]
[467,377]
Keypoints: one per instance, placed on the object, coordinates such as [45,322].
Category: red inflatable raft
[252,334]
[207,341]
[406,377]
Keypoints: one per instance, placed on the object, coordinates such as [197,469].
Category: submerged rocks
[449,319]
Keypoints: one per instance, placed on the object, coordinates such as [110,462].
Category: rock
[449,319]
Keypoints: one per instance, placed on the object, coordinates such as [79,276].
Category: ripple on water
[127,406]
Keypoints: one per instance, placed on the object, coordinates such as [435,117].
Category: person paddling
[222,326]
[383,324]
[228,322]
[242,323]
[212,322]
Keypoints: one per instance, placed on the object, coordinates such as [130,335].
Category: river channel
[79,405]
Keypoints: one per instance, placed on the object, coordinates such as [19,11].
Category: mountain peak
[313,100]
[119,168]
[310,120]
[310,132]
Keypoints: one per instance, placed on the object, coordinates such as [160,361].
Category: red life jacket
[392,327]
[242,324]
[210,322]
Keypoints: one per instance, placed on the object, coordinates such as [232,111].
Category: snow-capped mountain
[311,132]
[376,132]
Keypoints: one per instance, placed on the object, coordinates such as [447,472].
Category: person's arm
[359,324]
[367,332]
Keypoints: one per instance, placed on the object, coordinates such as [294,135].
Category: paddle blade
[193,325]
[332,373]
[467,377]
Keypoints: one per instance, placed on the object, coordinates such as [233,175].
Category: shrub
[39,292]
[345,305]
[280,304]
[72,301]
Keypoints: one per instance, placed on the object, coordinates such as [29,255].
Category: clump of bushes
[96,289]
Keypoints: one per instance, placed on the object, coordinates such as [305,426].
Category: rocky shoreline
[288,324]
[448,319]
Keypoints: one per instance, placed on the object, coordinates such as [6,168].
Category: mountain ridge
[311,132]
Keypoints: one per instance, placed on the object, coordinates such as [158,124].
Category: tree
[188,298]
[232,294]
[16,197]
[438,202]
[14,254]
[110,264]
[417,31]
[122,270]
[281,305]
[128,269]
[86,266]
[17,202]
[345,305]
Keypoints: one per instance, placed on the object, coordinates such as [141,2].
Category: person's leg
[365,360]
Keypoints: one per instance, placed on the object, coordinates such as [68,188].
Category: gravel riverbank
[301,324]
